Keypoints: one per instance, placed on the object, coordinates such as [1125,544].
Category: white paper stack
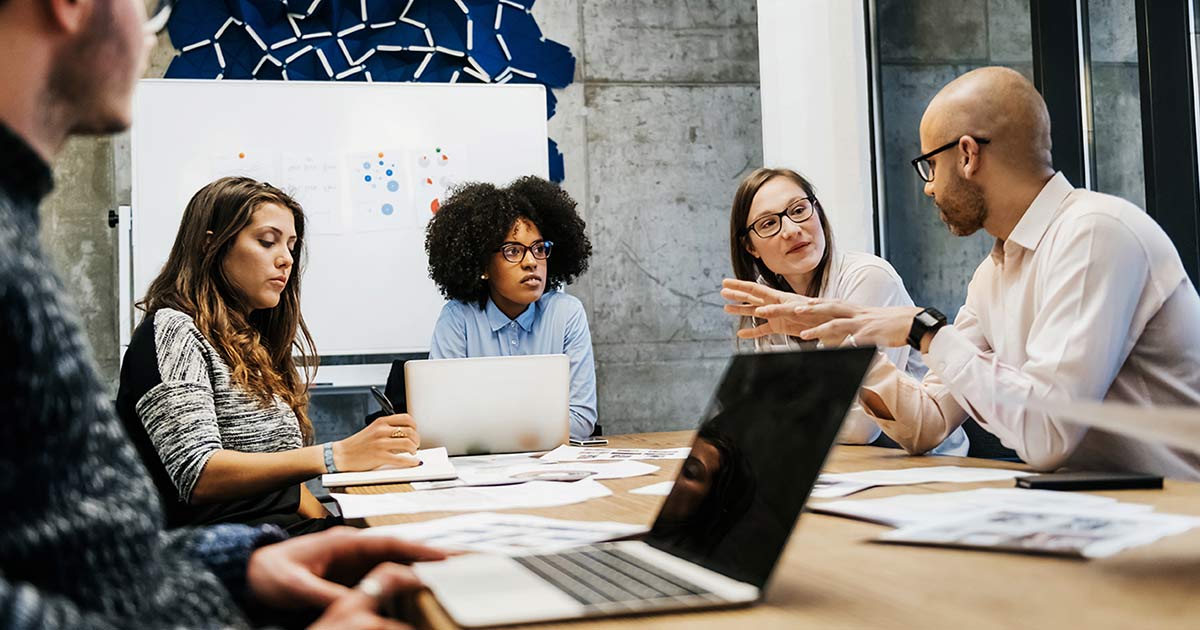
[843,484]
[535,494]
[566,453]
[1016,520]
[912,509]
[507,474]
[1066,532]
[435,464]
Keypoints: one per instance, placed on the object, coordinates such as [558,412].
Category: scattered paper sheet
[929,474]
[912,509]
[434,465]
[472,462]
[505,474]
[831,485]
[535,494]
[660,489]
[1069,532]
[508,534]
[831,488]
[566,453]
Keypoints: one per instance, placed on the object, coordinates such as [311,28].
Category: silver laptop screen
[755,459]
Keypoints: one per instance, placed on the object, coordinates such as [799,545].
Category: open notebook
[435,466]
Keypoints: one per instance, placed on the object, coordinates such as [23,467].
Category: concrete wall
[923,45]
[660,125]
[662,121]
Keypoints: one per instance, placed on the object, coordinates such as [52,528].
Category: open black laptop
[723,527]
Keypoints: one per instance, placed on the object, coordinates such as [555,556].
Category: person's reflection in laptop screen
[712,492]
[754,460]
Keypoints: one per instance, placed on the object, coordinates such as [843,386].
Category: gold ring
[370,587]
[399,433]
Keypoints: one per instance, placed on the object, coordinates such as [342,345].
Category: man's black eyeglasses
[925,168]
[158,13]
[769,225]
[515,252]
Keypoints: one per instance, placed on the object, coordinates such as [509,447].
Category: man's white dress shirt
[1086,300]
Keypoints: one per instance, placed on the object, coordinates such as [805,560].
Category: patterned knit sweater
[180,405]
[81,538]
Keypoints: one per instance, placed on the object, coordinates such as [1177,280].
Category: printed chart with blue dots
[400,188]
[378,198]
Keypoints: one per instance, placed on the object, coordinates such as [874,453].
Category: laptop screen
[756,457]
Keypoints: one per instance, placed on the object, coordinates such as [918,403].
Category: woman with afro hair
[490,254]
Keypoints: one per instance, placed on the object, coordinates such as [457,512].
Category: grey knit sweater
[180,405]
[81,538]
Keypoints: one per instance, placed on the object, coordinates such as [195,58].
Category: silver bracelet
[329,466]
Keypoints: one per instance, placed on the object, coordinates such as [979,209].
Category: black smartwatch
[927,321]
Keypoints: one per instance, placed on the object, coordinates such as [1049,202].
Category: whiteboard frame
[534,157]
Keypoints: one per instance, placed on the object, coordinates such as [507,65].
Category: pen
[384,403]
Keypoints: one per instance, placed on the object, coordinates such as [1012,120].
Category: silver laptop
[721,530]
[490,404]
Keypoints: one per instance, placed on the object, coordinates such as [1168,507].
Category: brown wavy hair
[259,346]
[746,266]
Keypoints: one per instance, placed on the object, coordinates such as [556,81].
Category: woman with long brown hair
[210,390]
[779,236]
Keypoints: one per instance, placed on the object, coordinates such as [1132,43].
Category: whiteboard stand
[125,320]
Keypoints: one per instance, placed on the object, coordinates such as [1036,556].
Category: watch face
[930,317]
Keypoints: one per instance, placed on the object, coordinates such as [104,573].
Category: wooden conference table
[831,576]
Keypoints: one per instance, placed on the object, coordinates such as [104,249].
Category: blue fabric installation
[440,41]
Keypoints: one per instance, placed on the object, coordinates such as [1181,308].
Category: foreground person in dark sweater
[81,538]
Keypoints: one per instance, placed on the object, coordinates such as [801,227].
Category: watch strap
[329,465]
[927,321]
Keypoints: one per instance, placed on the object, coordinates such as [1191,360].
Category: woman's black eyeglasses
[769,225]
[925,168]
[515,252]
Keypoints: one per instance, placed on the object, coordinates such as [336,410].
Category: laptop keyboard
[607,579]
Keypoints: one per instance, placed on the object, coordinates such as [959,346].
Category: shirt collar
[24,175]
[1032,227]
[497,319]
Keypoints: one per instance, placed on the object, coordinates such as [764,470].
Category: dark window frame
[1164,42]
[1057,64]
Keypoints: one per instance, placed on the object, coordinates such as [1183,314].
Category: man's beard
[962,206]
[81,80]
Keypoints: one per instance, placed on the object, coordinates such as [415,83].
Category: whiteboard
[366,160]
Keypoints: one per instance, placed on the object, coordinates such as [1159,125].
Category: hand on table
[313,571]
[358,609]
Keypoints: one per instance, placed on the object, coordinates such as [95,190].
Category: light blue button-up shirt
[555,324]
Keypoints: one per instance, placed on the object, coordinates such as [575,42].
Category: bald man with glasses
[1083,297]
